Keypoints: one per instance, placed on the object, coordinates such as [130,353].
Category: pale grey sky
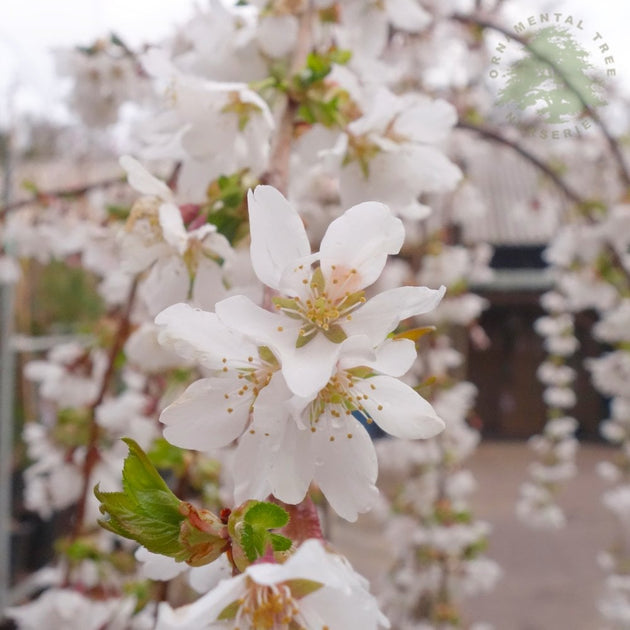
[30,28]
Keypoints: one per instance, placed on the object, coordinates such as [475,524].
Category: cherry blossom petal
[398,409]
[293,466]
[361,239]
[206,577]
[434,172]
[208,287]
[306,369]
[426,120]
[392,357]
[278,234]
[141,180]
[166,284]
[346,468]
[382,313]
[202,418]
[203,611]
[407,15]
[274,455]
[251,467]
[198,335]
[173,228]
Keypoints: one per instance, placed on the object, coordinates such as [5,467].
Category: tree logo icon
[555,78]
[553,81]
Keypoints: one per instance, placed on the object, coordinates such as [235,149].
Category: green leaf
[266,515]
[249,526]
[146,501]
[165,456]
[280,543]
[253,541]
[149,513]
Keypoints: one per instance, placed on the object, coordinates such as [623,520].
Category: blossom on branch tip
[320,309]
[313,589]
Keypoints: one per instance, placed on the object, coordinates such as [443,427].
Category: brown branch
[92,455]
[612,143]
[45,197]
[278,173]
[495,136]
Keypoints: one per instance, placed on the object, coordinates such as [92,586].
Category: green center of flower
[270,607]
[265,608]
[323,308]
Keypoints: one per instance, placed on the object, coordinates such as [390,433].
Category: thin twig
[278,174]
[612,143]
[495,136]
[92,455]
[62,193]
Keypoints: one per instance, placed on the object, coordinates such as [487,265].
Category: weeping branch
[612,143]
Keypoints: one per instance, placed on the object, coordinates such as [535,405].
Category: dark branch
[612,143]
[490,134]
[45,197]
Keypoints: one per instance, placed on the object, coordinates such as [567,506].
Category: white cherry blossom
[275,596]
[320,309]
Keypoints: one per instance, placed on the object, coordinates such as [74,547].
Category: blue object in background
[374,431]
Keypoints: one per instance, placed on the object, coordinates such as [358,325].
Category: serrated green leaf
[266,515]
[253,541]
[280,543]
[249,526]
[146,510]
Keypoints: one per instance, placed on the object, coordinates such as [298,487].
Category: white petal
[206,577]
[293,466]
[155,566]
[361,239]
[208,287]
[203,611]
[141,180]
[277,35]
[415,211]
[434,172]
[407,15]
[382,313]
[166,284]
[201,336]
[428,121]
[398,409]
[305,369]
[290,459]
[173,228]
[278,234]
[346,469]
[261,443]
[200,419]
[392,357]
